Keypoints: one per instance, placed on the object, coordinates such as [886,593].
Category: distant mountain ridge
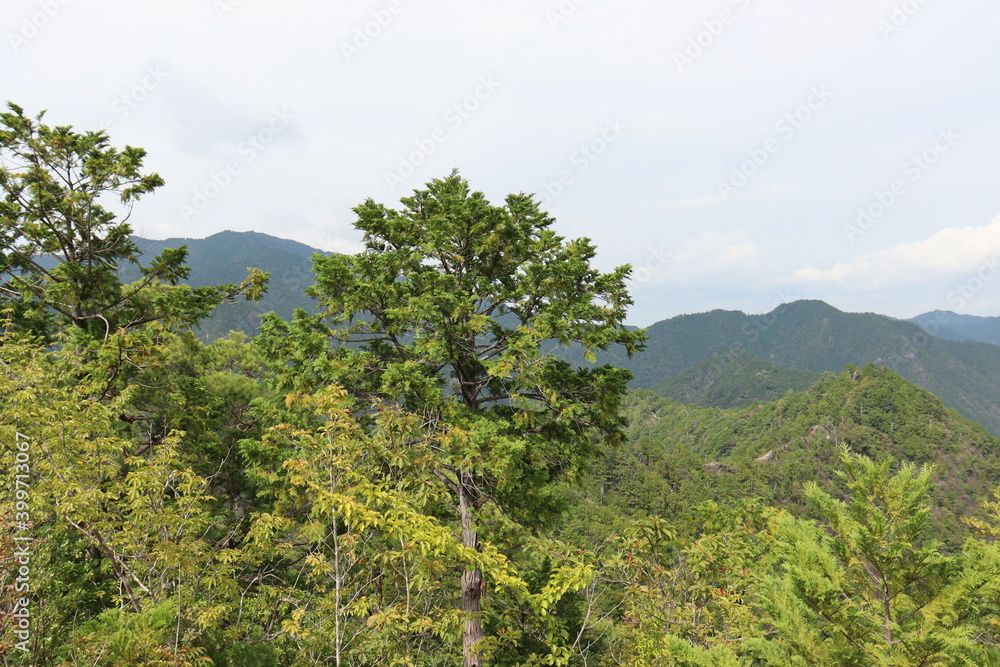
[224,258]
[952,326]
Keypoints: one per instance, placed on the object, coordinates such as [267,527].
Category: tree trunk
[472,580]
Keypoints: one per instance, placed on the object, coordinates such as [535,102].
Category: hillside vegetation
[734,379]
[679,456]
[408,474]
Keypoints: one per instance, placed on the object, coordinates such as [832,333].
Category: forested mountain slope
[734,379]
[678,456]
[701,358]
[224,258]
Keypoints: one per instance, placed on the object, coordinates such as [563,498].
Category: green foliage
[414,476]
[363,558]
[222,259]
[99,513]
[54,181]
[678,456]
[865,586]
[118,639]
[687,601]
[868,588]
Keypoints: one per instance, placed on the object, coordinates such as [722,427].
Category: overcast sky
[737,153]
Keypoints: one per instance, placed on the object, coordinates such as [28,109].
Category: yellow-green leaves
[867,586]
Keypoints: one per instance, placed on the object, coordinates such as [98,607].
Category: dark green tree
[453,310]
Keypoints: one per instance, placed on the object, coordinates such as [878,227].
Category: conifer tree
[868,586]
[453,310]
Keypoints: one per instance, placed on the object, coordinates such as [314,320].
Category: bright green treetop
[868,587]
[455,306]
[453,310]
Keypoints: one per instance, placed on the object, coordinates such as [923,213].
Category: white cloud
[950,252]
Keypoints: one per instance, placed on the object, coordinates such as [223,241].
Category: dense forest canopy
[406,473]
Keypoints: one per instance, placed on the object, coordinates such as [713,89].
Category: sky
[737,153]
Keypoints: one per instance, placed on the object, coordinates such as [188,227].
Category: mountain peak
[814,306]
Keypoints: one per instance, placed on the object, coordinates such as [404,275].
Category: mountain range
[952,326]
[678,456]
[720,359]
[224,258]
[815,337]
